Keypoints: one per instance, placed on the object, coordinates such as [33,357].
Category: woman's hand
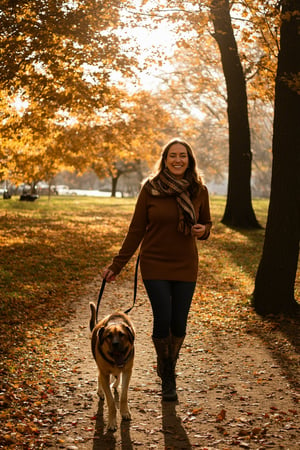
[198,230]
[108,275]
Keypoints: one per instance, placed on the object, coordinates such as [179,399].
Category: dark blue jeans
[170,301]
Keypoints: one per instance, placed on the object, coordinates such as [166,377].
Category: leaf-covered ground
[238,375]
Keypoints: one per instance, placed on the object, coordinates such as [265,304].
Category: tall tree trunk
[238,211]
[114,182]
[275,278]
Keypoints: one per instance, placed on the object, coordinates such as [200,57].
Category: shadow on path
[105,440]
[283,342]
[173,430]
[102,439]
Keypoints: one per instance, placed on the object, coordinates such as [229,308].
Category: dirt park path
[235,389]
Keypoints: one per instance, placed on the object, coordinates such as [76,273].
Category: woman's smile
[177,160]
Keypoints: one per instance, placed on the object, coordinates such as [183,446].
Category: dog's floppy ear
[100,334]
[130,333]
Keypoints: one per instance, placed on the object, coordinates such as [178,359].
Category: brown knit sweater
[165,254]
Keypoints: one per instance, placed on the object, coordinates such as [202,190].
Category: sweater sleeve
[135,234]
[204,214]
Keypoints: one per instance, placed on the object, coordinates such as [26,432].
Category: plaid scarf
[166,185]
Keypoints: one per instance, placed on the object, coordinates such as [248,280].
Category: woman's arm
[134,237]
[204,218]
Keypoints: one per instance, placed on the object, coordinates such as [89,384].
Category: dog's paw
[112,424]
[125,413]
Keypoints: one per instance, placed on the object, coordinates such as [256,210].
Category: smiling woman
[171,212]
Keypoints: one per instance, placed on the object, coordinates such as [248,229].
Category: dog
[113,349]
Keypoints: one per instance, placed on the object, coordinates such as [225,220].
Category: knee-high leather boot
[175,346]
[165,365]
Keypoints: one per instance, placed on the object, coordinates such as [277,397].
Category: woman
[171,212]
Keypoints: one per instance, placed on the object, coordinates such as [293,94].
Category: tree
[275,278]
[61,54]
[238,211]
[122,168]
[58,58]
[133,135]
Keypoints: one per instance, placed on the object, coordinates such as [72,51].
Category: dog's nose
[115,344]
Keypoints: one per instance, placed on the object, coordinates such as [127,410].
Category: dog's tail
[93,316]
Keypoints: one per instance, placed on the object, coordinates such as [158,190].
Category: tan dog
[113,350]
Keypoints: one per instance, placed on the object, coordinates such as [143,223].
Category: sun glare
[153,46]
[19,104]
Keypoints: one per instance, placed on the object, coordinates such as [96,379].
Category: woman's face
[177,160]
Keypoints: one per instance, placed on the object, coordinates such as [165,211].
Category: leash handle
[134,290]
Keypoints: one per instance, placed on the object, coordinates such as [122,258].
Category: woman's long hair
[191,173]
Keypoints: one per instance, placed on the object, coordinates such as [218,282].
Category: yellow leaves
[27,428]
[14,433]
